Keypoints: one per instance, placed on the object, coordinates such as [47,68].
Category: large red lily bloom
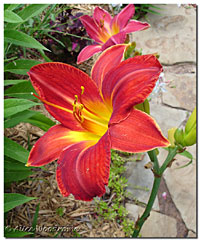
[107,31]
[96,114]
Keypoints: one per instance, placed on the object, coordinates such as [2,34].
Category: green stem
[157,178]
[154,159]
[148,208]
[172,153]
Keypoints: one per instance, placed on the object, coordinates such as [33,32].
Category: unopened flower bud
[190,138]
[191,121]
[178,136]
[171,136]
[144,106]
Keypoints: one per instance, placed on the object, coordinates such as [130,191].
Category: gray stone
[181,183]
[183,93]
[140,181]
[172,34]
[180,69]
[157,225]
[166,117]
[192,235]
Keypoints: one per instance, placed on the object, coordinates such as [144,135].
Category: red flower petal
[50,145]
[137,133]
[129,84]
[101,16]
[122,18]
[58,83]
[91,27]
[118,38]
[88,52]
[110,58]
[83,169]
[134,26]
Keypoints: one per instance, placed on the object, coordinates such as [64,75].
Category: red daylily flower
[96,114]
[108,31]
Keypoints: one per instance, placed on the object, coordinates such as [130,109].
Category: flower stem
[158,171]
[154,159]
[148,208]
[172,153]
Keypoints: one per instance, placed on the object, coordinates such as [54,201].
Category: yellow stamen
[74,108]
[76,98]
[82,90]
[101,23]
[80,107]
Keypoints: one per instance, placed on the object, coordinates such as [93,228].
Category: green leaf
[35,218]
[12,200]
[13,81]
[151,11]
[21,90]
[12,164]
[56,40]
[14,106]
[18,118]
[156,7]
[29,12]
[11,17]
[13,233]
[187,154]
[20,66]
[15,151]
[15,170]
[187,164]
[22,39]
[40,121]
[10,6]
[32,10]
[15,175]
[10,59]
[22,96]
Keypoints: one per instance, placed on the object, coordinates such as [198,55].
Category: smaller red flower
[107,31]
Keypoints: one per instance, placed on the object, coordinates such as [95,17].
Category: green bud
[156,151]
[144,106]
[190,138]
[178,136]
[191,121]
[139,107]
[129,50]
[171,136]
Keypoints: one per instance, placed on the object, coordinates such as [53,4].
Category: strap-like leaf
[11,17]
[14,106]
[22,39]
[15,151]
[12,200]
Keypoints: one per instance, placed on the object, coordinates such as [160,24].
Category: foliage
[140,9]
[19,38]
[13,233]
[12,200]
[114,209]
[66,35]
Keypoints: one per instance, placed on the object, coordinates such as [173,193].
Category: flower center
[93,121]
[88,119]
